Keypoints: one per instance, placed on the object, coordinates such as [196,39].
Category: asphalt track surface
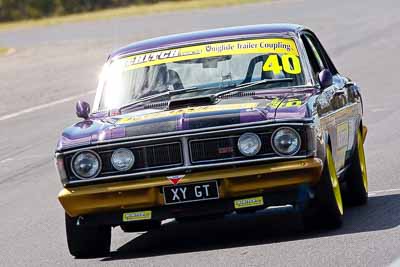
[53,66]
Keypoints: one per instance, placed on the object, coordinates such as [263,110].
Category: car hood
[155,121]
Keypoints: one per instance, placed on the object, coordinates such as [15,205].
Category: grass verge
[133,10]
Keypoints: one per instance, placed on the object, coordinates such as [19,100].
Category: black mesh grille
[155,156]
[214,149]
[207,148]
[147,157]
[223,148]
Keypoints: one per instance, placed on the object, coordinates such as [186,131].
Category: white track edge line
[43,106]
[372,193]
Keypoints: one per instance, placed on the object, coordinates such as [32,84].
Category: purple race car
[209,123]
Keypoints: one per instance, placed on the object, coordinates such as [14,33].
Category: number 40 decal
[290,64]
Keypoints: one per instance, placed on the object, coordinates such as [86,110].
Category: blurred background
[11,10]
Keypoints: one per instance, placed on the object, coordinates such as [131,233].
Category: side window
[317,55]
[311,56]
[316,59]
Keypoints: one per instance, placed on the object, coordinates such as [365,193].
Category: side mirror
[325,78]
[82,109]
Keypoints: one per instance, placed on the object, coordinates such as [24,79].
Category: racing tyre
[326,209]
[356,176]
[87,241]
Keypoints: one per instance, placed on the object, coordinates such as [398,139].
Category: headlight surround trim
[250,134]
[60,167]
[293,131]
[130,165]
[100,164]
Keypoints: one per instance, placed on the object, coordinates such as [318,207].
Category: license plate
[190,192]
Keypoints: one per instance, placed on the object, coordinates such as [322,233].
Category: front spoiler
[292,196]
[147,193]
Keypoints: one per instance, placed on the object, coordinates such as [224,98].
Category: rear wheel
[326,209]
[87,241]
[356,176]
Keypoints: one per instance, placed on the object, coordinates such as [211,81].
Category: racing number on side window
[272,64]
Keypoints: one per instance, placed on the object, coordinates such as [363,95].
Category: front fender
[320,139]
[364,133]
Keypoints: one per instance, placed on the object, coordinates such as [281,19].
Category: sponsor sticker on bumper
[249,202]
[136,216]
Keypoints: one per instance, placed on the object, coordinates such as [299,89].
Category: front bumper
[147,193]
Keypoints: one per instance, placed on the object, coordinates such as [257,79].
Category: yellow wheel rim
[361,157]
[334,180]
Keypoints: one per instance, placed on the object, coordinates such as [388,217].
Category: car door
[333,102]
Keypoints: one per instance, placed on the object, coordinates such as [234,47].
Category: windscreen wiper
[192,89]
[251,84]
[212,98]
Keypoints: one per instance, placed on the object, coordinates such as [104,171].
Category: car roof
[176,39]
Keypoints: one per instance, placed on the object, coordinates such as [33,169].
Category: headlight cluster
[249,144]
[285,142]
[87,164]
[122,159]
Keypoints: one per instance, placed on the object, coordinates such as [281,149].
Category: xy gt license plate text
[191,192]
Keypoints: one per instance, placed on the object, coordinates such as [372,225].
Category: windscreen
[208,67]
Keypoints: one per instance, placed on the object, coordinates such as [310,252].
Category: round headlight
[86,164]
[249,144]
[286,141]
[122,159]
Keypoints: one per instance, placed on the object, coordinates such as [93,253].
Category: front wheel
[87,241]
[356,176]
[326,209]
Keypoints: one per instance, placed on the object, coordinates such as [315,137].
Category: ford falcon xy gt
[210,123]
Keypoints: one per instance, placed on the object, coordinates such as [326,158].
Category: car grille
[148,157]
[223,148]
[161,155]
[198,150]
